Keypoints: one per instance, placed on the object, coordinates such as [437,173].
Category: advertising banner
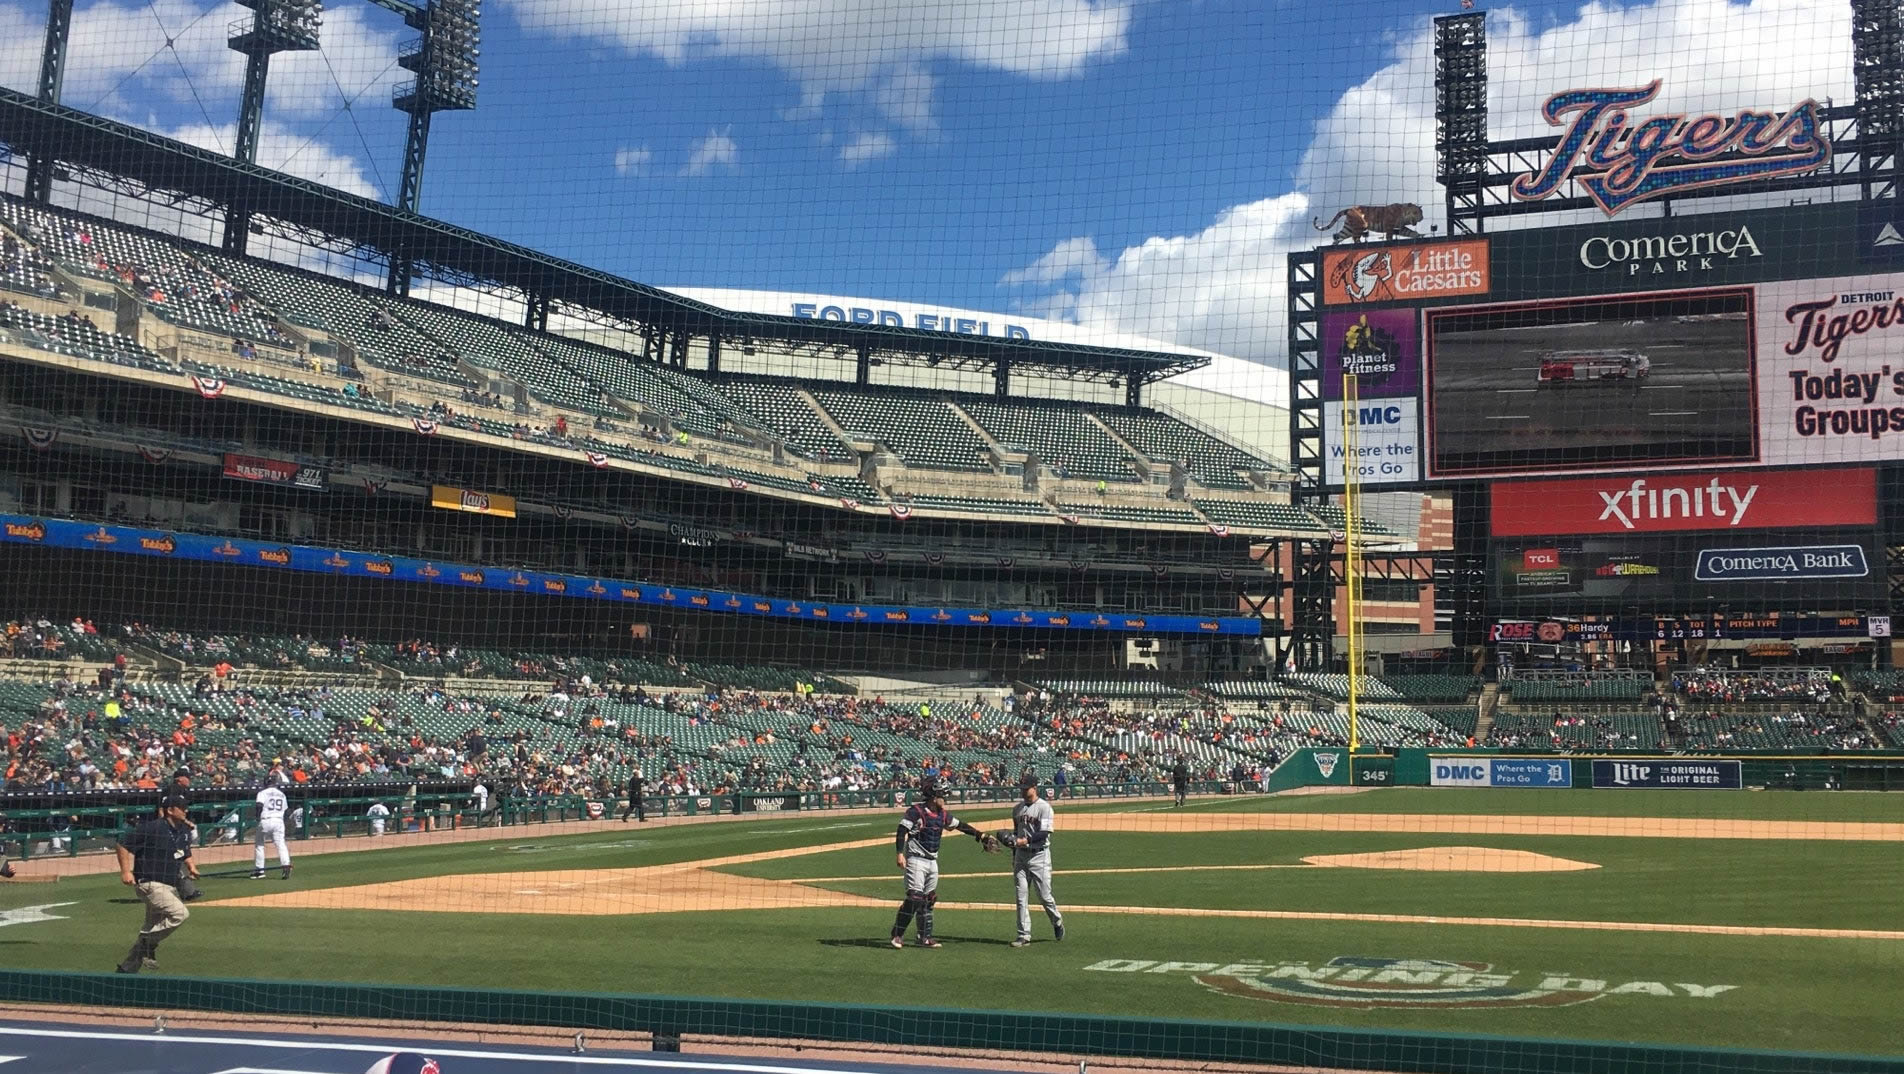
[1790,563]
[1457,772]
[1673,503]
[1830,386]
[1412,272]
[1387,442]
[479,503]
[1529,772]
[346,563]
[1653,773]
[1381,347]
[1525,772]
[1785,569]
[276,472]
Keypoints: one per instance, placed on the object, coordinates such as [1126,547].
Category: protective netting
[585,514]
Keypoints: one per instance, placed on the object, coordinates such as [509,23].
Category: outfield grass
[1798,993]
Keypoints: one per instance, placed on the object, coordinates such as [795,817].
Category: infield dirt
[698,886]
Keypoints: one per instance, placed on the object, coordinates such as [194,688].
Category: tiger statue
[1359,221]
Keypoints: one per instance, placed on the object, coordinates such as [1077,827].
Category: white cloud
[287,151]
[873,145]
[633,160]
[118,62]
[877,52]
[1071,258]
[1222,288]
[717,150]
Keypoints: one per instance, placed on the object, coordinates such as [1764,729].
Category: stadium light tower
[59,26]
[275,26]
[444,59]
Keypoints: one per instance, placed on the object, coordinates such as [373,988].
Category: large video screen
[1593,383]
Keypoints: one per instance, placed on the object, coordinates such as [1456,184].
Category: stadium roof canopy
[159,165]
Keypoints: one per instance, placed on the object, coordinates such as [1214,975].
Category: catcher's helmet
[930,790]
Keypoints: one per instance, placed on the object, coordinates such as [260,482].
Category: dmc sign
[1620,162]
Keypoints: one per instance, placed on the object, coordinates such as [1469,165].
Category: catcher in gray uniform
[1030,843]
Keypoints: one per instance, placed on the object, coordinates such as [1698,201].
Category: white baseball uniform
[379,815]
[272,806]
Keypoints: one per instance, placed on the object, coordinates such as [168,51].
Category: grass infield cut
[1770,937]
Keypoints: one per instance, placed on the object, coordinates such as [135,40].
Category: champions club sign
[1620,159]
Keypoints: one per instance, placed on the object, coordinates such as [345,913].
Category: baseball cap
[171,800]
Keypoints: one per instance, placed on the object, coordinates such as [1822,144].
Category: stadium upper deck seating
[24,268]
[1432,688]
[1063,437]
[987,505]
[1213,463]
[1252,517]
[484,343]
[174,284]
[922,430]
[1160,515]
[1334,517]
[1584,686]
[781,408]
[76,334]
[348,313]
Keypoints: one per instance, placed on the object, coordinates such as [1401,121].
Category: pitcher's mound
[1454,860]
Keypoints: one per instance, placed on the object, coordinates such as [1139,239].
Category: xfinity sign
[1776,564]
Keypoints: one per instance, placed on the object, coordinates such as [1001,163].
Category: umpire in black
[635,786]
[154,855]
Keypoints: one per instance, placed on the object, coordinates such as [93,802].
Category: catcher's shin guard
[925,914]
[904,917]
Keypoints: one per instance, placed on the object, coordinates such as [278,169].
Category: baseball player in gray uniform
[1030,843]
[917,844]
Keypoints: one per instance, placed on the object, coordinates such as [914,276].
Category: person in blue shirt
[155,855]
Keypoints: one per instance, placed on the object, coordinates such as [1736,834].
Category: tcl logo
[1668,503]
[1535,559]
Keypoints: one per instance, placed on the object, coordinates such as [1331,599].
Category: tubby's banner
[1672,503]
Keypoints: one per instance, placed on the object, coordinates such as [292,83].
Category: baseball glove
[1005,839]
[989,843]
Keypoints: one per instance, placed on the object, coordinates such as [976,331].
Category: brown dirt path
[696,886]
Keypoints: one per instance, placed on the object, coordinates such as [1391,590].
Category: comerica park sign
[1621,159]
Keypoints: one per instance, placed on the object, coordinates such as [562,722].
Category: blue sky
[1143,165]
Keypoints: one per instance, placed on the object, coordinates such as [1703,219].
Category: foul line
[1054,872]
[1500,922]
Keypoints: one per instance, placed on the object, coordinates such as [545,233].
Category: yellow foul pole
[1352,550]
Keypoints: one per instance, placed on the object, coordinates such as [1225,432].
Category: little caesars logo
[1668,255]
[1368,983]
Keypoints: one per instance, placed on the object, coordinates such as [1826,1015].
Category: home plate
[1453,860]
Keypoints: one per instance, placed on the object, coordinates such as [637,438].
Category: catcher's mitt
[989,843]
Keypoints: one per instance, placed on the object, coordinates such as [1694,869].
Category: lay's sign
[479,503]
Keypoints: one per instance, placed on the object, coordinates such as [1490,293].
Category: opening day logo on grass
[1369,983]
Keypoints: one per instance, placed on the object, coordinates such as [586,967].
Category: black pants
[634,806]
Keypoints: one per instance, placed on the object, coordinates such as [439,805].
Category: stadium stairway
[1490,700]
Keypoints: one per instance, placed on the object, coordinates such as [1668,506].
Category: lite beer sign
[1621,160]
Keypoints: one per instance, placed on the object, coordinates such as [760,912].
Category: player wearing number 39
[1030,843]
[271,807]
[920,832]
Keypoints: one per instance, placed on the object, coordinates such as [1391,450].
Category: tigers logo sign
[1412,273]
[1326,762]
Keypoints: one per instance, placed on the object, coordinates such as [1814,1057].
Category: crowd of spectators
[1727,686]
